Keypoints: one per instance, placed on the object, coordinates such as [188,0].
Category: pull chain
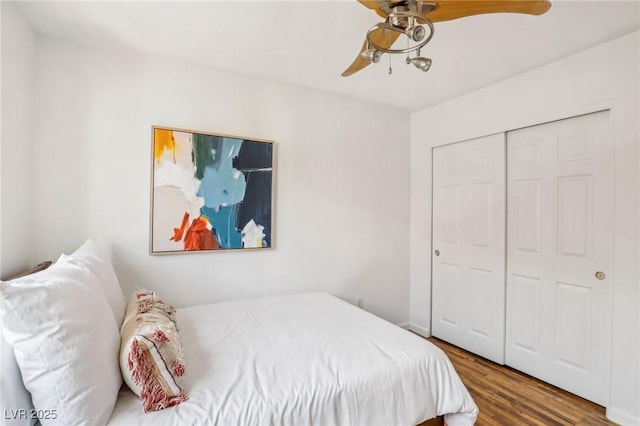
[408,60]
[390,70]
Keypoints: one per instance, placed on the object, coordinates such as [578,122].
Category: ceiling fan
[414,19]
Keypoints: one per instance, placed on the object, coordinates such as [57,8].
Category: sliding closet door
[468,282]
[559,253]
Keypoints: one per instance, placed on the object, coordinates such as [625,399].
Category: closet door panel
[559,253]
[468,291]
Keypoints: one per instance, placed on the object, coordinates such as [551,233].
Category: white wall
[342,180]
[342,185]
[604,76]
[16,171]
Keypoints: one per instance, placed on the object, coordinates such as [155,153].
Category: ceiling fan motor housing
[398,18]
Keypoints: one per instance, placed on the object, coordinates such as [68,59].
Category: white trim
[621,417]
[415,328]
[531,122]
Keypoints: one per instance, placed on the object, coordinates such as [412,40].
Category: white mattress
[302,360]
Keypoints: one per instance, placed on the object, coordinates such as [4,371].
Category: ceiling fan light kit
[402,18]
[414,19]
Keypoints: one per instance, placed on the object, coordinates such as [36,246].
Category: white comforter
[302,360]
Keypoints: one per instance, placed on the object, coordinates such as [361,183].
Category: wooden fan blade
[373,5]
[369,4]
[454,9]
[382,38]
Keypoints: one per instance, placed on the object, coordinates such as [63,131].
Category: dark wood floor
[508,397]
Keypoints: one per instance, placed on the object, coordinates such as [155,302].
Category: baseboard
[415,328]
[621,417]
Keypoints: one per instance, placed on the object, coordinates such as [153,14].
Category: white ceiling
[309,43]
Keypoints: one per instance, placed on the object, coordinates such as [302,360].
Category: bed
[300,359]
[304,359]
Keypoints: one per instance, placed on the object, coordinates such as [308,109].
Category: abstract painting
[210,192]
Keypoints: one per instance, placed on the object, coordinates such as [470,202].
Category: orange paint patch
[178,232]
[199,237]
[163,140]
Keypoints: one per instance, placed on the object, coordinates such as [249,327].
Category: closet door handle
[601,275]
[437,252]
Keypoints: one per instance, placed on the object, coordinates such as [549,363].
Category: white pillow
[66,350]
[16,401]
[90,256]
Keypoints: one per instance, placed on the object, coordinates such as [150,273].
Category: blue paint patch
[222,184]
[223,222]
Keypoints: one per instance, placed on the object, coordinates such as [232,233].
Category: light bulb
[421,63]
[372,55]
